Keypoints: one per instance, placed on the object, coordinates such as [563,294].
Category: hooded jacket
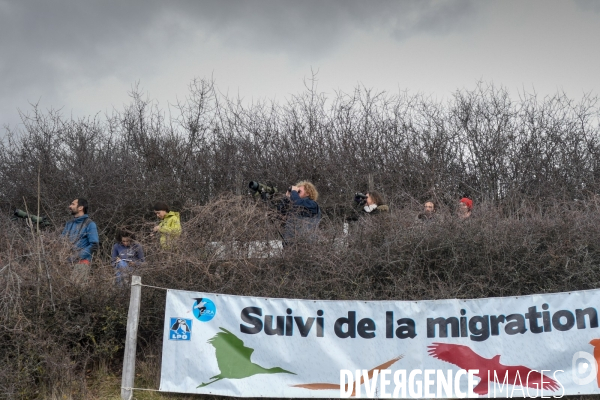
[83,234]
[169,228]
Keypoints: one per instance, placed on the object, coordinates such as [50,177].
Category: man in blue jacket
[81,231]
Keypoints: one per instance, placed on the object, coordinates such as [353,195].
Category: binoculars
[360,198]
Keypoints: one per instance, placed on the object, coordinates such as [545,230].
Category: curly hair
[311,190]
[377,197]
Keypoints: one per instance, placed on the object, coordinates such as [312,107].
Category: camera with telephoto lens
[261,189]
[360,198]
[43,221]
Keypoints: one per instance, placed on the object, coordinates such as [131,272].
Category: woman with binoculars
[302,212]
[371,203]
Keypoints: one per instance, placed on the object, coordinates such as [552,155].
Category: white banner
[529,346]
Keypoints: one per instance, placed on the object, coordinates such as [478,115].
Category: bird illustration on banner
[465,358]
[233,359]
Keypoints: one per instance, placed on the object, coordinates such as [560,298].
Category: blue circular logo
[204,309]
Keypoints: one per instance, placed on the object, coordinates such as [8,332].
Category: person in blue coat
[81,232]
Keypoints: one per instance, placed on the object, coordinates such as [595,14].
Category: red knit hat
[468,203]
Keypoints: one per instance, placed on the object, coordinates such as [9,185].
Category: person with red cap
[465,206]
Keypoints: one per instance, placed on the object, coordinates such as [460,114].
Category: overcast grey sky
[84,56]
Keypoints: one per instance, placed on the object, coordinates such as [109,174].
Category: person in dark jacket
[302,213]
[369,214]
[429,212]
[126,254]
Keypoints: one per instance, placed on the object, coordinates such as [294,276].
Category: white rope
[155,287]
[148,390]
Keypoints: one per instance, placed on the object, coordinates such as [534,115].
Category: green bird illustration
[233,359]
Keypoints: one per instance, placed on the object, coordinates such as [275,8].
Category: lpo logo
[584,368]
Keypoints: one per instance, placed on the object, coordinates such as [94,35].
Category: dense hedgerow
[530,166]
[50,339]
[480,143]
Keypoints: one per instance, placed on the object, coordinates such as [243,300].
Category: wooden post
[133,317]
[371,185]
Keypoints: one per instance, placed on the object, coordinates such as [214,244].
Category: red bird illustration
[467,359]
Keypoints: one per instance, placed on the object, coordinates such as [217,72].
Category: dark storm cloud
[48,45]
[437,18]
[313,26]
[48,41]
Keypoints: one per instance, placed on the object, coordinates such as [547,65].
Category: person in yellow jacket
[169,226]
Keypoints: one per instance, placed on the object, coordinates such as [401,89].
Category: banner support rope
[131,389]
[154,287]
